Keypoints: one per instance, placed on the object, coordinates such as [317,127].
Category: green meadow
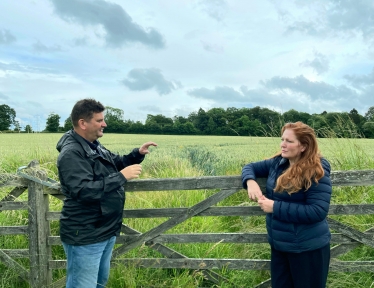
[190,156]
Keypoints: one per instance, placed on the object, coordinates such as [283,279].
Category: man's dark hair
[84,109]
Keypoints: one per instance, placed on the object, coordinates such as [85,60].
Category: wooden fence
[40,189]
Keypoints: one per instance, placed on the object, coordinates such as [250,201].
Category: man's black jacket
[93,186]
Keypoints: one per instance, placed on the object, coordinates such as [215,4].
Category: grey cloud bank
[145,79]
[6,37]
[173,57]
[118,25]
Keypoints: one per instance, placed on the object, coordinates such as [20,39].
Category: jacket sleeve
[79,181]
[126,160]
[316,206]
[256,170]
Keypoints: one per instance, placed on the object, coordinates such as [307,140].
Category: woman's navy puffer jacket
[298,222]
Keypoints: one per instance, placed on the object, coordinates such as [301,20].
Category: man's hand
[254,191]
[132,171]
[144,148]
[266,204]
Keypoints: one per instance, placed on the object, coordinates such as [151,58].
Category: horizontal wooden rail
[13,180]
[232,264]
[338,178]
[17,253]
[13,230]
[352,266]
[242,238]
[13,205]
[184,263]
[341,209]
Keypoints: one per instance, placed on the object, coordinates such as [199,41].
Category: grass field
[190,156]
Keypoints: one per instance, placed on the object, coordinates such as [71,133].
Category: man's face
[95,127]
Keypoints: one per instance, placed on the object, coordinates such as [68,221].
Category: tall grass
[190,156]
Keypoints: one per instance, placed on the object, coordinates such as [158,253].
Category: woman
[298,192]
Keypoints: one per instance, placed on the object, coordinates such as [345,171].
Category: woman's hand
[254,191]
[266,204]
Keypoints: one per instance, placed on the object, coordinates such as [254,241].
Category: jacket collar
[85,144]
[283,162]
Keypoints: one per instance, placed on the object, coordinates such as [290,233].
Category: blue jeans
[88,266]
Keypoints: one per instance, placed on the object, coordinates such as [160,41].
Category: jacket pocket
[112,203]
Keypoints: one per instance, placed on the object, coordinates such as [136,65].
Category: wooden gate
[41,264]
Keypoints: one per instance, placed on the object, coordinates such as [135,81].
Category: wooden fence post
[39,229]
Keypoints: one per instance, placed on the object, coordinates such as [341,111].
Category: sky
[173,57]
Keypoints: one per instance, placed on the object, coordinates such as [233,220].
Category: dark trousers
[300,270]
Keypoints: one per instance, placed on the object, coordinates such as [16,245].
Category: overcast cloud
[6,37]
[118,25]
[145,79]
[320,63]
[174,57]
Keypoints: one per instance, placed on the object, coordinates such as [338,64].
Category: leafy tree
[180,119]
[270,120]
[368,129]
[114,119]
[211,127]
[341,125]
[189,129]
[153,128]
[116,127]
[319,124]
[294,116]
[177,127]
[219,121]
[168,129]
[200,120]
[241,125]
[53,122]
[186,128]
[126,127]
[7,116]
[231,120]
[113,114]
[368,126]
[137,127]
[369,115]
[159,119]
[245,127]
[355,116]
[17,126]
[254,121]
[291,116]
[28,129]
[233,113]
[68,124]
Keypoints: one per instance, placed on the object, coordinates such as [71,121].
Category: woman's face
[291,148]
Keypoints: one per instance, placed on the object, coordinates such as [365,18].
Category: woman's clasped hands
[255,194]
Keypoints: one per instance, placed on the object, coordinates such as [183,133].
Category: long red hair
[308,167]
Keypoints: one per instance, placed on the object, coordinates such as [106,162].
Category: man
[92,180]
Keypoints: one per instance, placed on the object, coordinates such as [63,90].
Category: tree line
[232,121]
